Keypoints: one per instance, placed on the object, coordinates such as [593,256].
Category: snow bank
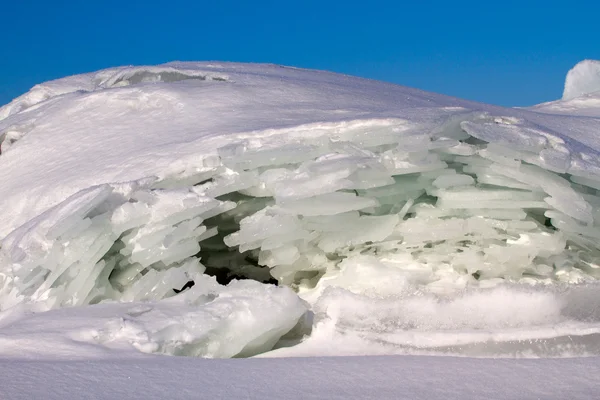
[208,320]
[510,321]
[272,174]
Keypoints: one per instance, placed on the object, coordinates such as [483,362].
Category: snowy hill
[133,123]
[393,221]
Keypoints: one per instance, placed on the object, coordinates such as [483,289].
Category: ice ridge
[369,205]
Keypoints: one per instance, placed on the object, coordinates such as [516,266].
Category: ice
[228,184]
[155,285]
[503,204]
[133,76]
[361,230]
[434,324]
[309,181]
[446,181]
[555,160]
[475,194]
[416,230]
[366,178]
[283,255]
[399,162]
[330,223]
[374,136]
[593,183]
[241,158]
[298,211]
[235,182]
[507,135]
[328,204]
[142,240]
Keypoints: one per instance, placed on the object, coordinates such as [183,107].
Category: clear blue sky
[502,52]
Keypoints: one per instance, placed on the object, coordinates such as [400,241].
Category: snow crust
[394,221]
[337,378]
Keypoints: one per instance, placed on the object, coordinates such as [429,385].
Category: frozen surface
[394,221]
[390,377]
[124,133]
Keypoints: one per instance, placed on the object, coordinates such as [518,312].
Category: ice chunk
[416,230]
[242,319]
[366,178]
[319,177]
[241,157]
[284,255]
[373,136]
[404,187]
[365,229]
[555,160]
[446,181]
[262,225]
[508,135]
[328,204]
[156,285]
[228,184]
[130,215]
[401,163]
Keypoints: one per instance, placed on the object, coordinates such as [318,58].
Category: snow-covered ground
[377,377]
[450,247]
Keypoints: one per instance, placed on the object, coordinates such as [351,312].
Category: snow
[453,238]
[581,95]
[301,378]
[252,102]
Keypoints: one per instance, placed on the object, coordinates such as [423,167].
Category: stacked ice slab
[474,203]
[108,242]
[133,243]
[488,201]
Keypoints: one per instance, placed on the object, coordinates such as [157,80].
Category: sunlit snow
[351,217]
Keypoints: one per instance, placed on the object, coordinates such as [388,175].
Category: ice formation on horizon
[369,205]
[582,79]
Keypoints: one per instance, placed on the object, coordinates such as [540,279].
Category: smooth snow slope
[141,126]
[83,134]
[99,128]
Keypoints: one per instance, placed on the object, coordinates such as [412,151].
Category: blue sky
[508,53]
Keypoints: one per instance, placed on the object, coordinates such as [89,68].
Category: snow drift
[138,184]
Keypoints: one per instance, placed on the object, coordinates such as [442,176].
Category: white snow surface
[91,129]
[109,183]
[384,377]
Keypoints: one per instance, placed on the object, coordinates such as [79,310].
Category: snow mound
[208,320]
[582,79]
[287,176]
[433,207]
